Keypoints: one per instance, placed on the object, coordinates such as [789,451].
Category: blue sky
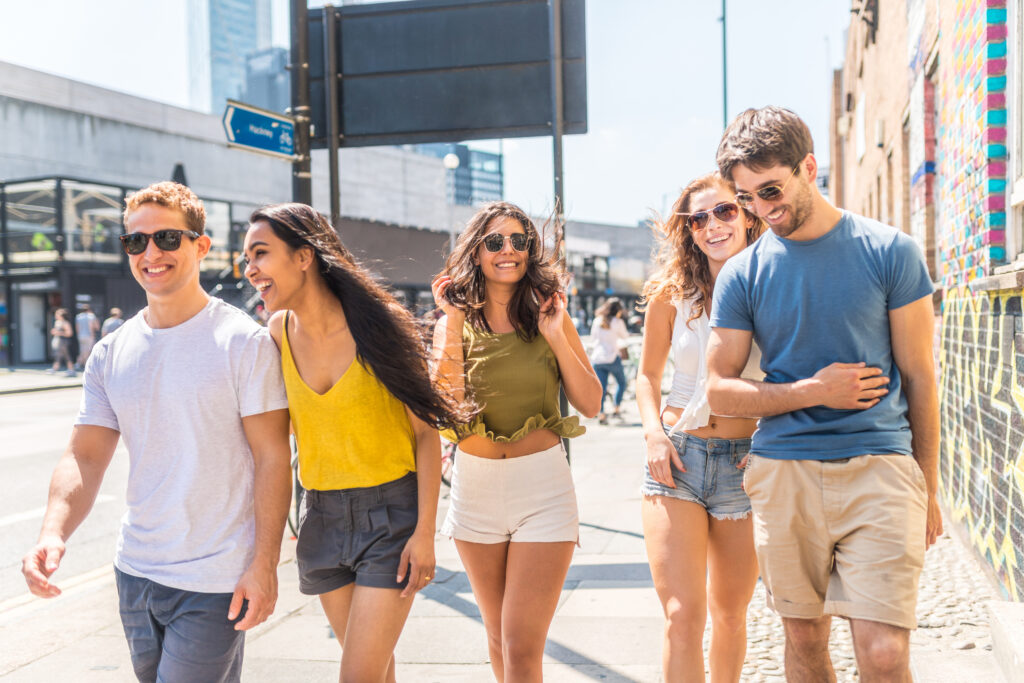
[654,78]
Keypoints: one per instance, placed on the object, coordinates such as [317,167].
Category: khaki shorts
[845,537]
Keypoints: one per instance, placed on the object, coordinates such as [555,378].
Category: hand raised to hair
[441,283]
[552,312]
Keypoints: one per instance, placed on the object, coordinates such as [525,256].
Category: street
[35,428]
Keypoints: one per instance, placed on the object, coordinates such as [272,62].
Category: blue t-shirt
[812,303]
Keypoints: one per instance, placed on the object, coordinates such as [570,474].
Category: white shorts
[529,499]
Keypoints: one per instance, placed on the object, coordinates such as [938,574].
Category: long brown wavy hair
[682,270]
[389,340]
[467,289]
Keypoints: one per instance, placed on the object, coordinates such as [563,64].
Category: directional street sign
[259,130]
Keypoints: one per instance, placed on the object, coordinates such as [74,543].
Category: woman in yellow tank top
[365,415]
[507,340]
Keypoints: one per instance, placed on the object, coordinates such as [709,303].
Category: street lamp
[451,162]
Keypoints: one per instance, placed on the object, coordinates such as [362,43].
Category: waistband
[382,493]
[522,460]
[711,445]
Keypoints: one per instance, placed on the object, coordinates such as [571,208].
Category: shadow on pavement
[443,590]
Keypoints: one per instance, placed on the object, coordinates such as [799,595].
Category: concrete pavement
[608,625]
[35,378]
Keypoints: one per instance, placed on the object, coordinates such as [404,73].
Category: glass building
[59,248]
[221,36]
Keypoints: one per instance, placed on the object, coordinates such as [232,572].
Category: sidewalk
[608,626]
[35,378]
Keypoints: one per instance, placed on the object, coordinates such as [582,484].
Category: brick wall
[981,394]
[972,153]
[981,348]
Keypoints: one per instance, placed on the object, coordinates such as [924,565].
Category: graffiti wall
[981,394]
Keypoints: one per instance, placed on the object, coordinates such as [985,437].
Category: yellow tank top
[356,434]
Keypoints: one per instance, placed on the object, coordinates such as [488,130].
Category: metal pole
[302,177]
[725,74]
[557,116]
[331,91]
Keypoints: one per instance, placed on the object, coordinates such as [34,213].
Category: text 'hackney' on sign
[259,130]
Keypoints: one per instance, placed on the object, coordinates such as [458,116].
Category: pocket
[751,459]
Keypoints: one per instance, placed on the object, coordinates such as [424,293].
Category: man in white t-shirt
[194,388]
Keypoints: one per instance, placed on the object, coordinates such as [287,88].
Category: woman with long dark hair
[608,333]
[365,414]
[696,517]
[507,341]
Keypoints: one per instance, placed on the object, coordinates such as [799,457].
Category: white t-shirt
[690,377]
[178,396]
[607,338]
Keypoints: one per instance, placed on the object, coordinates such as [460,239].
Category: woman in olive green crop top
[365,413]
[507,342]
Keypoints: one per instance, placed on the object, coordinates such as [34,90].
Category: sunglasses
[726,212]
[769,194]
[166,240]
[495,242]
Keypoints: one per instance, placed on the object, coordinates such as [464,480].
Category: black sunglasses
[166,240]
[495,242]
[726,212]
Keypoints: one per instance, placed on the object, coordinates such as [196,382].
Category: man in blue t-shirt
[843,474]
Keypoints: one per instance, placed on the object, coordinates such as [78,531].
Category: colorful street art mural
[981,394]
[972,148]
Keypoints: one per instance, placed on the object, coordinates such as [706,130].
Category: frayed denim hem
[731,515]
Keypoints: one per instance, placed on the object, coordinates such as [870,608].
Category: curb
[46,387]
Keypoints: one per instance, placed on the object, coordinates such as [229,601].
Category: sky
[654,81]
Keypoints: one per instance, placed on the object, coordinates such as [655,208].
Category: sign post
[259,130]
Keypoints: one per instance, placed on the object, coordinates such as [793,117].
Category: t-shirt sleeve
[260,383]
[907,274]
[730,307]
[95,408]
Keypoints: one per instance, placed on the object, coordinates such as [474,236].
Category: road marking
[39,512]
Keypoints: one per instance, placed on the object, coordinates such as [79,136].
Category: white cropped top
[690,380]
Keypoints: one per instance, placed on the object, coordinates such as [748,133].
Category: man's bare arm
[911,328]
[76,481]
[845,386]
[267,434]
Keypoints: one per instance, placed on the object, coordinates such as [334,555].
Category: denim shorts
[712,477]
[178,635]
[355,535]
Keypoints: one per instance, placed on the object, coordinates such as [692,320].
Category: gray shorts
[179,635]
[355,535]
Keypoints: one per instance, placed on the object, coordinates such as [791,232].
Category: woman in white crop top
[696,517]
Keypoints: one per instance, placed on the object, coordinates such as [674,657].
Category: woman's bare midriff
[717,428]
[534,442]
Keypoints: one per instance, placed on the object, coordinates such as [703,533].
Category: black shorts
[355,535]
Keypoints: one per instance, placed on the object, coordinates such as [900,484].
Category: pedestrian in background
[112,323]
[194,387]
[696,517]
[87,329]
[60,342]
[507,340]
[609,333]
[843,471]
[365,414]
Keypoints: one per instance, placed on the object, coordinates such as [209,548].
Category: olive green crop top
[516,383]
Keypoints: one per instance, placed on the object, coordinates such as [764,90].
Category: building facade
[948,168]
[72,151]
